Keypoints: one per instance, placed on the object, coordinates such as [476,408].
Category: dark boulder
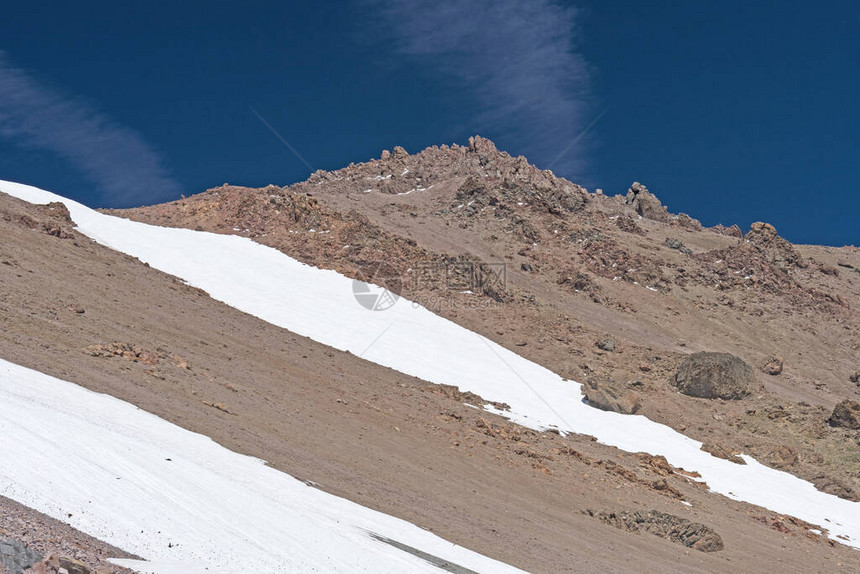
[846,415]
[715,376]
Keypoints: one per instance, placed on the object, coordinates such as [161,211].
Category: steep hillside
[104,320]
[611,291]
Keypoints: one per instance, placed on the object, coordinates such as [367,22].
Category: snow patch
[177,497]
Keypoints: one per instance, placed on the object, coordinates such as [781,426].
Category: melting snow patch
[207,509]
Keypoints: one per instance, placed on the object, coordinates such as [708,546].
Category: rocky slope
[611,291]
[76,310]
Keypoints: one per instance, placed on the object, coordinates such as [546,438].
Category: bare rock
[829,270]
[835,487]
[628,224]
[687,222]
[773,365]
[657,464]
[855,377]
[767,241]
[608,395]
[16,556]
[59,210]
[606,344]
[733,231]
[73,566]
[674,243]
[722,451]
[846,415]
[690,534]
[645,203]
[714,376]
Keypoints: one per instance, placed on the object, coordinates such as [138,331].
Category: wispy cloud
[124,168]
[520,61]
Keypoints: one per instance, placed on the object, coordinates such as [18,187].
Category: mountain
[582,270]
[462,414]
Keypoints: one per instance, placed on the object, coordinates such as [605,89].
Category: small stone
[73,566]
[674,243]
[606,344]
[773,366]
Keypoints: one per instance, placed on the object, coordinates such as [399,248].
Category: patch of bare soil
[81,312]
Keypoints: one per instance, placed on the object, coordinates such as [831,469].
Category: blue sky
[733,112]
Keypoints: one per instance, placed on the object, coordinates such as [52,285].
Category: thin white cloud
[519,59]
[123,167]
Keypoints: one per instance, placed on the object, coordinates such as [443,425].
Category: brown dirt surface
[79,311]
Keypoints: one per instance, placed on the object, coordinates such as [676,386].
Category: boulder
[675,243]
[714,376]
[606,344]
[16,556]
[722,451]
[846,415]
[608,395]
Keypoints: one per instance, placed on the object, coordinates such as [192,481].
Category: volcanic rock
[773,365]
[714,376]
[722,451]
[606,344]
[677,529]
[608,395]
[733,231]
[779,252]
[16,556]
[645,203]
[846,415]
